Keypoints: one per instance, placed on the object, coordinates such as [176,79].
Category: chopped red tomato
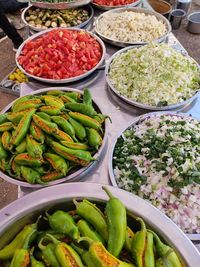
[60,54]
[113,2]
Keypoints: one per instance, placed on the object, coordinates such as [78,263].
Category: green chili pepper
[34,148]
[67,99]
[50,110]
[28,104]
[21,148]
[53,101]
[57,162]
[78,128]
[79,146]
[54,92]
[51,176]
[163,262]
[18,242]
[27,160]
[48,254]
[36,263]
[65,125]
[93,215]
[98,256]
[139,244]
[60,135]
[63,223]
[20,100]
[22,128]
[101,118]
[3,117]
[116,217]
[129,239]
[87,230]
[163,250]
[149,260]
[16,169]
[87,98]
[85,120]
[36,132]
[6,126]
[3,152]
[43,115]
[65,254]
[81,108]
[30,175]
[15,117]
[5,165]
[46,126]
[75,95]
[94,138]
[78,156]
[6,140]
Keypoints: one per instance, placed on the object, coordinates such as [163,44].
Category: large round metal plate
[136,10]
[36,29]
[61,5]
[136,121]
[29,207]
[106,8]
[74,174]
[133,103]
[61,81]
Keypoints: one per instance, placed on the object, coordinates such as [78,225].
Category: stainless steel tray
[106,8]
[61,5]
[134,122]
[36,29]
[61,81]
[74,175]
[136,10]
[140,105]
[28,208]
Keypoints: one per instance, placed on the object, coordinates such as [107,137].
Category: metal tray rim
[69,80]
[195,237]
[73,175]
[61,5]
[137,10]
[137,104]
[83,24]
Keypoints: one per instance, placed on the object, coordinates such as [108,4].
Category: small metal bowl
[194,22]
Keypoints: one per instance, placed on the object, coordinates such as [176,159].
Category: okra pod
[46,126]
[27,160]
[22,128]
[33,148]
[36,132]
[58,163]
[78,156]
[6,126]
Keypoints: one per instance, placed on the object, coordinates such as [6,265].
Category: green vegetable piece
[3,152]
[30,175]
[57,162]
[81,108]
[34,148]
[129,239]
[87,97]
[6,126]
[65,126]
[85,120]
[27,160]
[43,115]
[3,117]
[78,128]
[94,138]
[21,148]
[149,259]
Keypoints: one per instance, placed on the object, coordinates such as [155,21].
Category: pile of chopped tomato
[60,54]
[113,2]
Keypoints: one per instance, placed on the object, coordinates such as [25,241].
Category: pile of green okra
[88,236]
[43,137]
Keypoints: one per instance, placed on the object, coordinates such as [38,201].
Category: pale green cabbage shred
[155,75]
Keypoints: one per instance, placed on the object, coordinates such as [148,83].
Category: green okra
[22,128]
[58,163]
[26,160]
[33,148]
[85,120]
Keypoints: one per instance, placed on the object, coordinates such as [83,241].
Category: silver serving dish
[138,120]
[27,209]
[36,29]
[162,38]
[106,8]
[73,175]
[133,103]
[68,80]
[61,5]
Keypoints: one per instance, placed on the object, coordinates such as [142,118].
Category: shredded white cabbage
[155,74]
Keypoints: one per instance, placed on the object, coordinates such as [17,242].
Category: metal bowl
[136,10]
[26,210]
[82,25]
[61,81]
[135,122]
[61,5]
[133,103]
[73,175]
[194,22]
[105,8]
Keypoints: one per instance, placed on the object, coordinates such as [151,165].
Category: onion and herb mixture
[137,27]
[159,160]
[155,74]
